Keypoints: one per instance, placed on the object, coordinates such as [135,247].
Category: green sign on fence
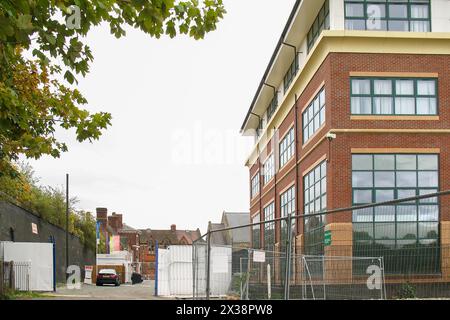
[327,238]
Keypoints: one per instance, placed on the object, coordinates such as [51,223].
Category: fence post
[247,278]
[12,283]
[156,267]
[194,257]
[208,265]
[288,257]
[2,278]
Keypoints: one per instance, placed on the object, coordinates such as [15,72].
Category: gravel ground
[142,291]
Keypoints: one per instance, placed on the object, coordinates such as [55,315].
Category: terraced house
[352,109]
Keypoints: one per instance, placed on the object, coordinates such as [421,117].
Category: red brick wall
[335,73]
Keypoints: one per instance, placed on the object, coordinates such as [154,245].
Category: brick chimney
[173,228]
[102,213]
[115,221]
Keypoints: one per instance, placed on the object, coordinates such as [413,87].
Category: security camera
[330,136]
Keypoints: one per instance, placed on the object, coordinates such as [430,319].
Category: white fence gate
[176,277]
[33,264]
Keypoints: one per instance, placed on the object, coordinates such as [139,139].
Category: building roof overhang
[349,41]
[300,19]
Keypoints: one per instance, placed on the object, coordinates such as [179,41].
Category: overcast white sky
[174,153]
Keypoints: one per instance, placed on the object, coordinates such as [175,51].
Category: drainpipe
[297,184]
[260,197]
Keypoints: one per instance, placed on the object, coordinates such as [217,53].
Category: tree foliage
[34,99]
[49,203]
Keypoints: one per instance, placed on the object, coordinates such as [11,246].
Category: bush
[407,291]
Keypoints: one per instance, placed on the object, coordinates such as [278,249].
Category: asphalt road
[142,291]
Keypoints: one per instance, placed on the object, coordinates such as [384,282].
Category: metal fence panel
[387,250]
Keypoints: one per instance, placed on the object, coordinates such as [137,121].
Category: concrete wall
[20,220]
[440,15]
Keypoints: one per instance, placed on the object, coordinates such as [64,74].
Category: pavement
[141,291]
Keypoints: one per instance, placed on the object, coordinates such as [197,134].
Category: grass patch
[22,295]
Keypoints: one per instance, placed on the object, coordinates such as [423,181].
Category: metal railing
[15,275]
[392,249]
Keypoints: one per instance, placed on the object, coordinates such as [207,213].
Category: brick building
[352,109]
[149,238]
[113,226]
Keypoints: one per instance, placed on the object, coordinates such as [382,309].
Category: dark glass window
[392,15]
[269,227]
[291,73]
[256,233]
[287,206]
[287,147]
[393,96]
[314,116]
[322,22]
[255,185]
[401,231]
[315,201]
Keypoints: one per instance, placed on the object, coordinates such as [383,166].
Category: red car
[108,276]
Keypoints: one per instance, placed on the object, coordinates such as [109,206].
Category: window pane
[428,191]
[385,231]
[384,195]
[384,162]
[398,11]
[354,10]
[406,193]
[406,179]
[419,11]
[428,179]
[362,162]
[406,162]
[426,106]
[362,196]
[404,87]
[376,24]
[428,230]
[428,162]
[376,11]
[383,106]
[361,105]
[363,215]
[407,231]
[404,106]
[385,213]
[384,179]
[407,213]
[397,25]
[426,87]
[428,213]
[382,87]
[362,231]
[420,26]
[360,86]
[362,179]
[355,24]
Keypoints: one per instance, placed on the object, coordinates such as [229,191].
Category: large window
[406,225]
[269,227]
[388,96]
[272,107]
[291,73]
[392,15]
[315,201]
[256,233]
[322,22]
[314,116]
[287,147]
[287,206]
[255,185]
[269,168]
